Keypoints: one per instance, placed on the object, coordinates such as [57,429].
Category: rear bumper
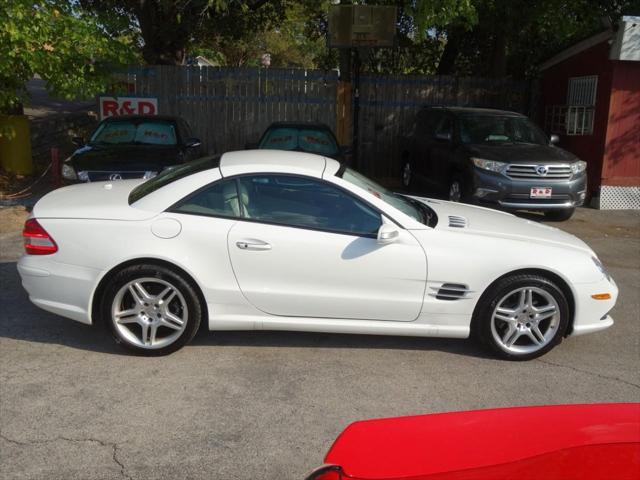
[59,288]
[495,189]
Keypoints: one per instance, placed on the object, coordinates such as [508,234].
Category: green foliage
[285,31]
[66,47]
[512,37]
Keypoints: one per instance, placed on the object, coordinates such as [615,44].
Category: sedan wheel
[525,320]
[151,310]
[522,317]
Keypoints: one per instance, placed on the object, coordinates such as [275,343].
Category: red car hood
[565,441]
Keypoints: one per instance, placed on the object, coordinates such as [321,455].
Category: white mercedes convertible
[273,240]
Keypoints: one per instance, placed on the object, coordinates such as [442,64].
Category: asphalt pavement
[267,405]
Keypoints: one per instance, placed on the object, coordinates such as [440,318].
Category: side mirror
[554,139]
[387,233]
[446,137]
[192,142]
[79,141]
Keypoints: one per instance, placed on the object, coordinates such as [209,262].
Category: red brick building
[590,97]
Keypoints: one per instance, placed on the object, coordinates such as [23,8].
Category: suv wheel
[456,190]
[407,176]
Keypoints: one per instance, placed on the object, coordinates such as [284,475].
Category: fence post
[55,167]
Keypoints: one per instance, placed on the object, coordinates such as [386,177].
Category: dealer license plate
[541,192]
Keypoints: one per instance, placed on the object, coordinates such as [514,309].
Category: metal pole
[356,108]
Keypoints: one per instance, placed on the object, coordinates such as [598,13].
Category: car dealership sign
[116,106]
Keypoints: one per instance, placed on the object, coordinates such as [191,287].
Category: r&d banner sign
[116,106]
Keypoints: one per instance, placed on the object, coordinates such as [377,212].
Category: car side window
[445,126]
[307,203]
[188,133]
[219,199]
[426,122]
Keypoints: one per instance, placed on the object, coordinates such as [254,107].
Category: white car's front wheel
[151,310]
[522,316]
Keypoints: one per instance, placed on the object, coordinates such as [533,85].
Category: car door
[307,248]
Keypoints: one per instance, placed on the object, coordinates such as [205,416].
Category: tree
[512,37]
[169,29]
[68,48]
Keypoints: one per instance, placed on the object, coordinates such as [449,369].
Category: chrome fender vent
[457,222]
[450,291]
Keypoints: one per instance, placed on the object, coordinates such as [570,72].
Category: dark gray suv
[492,158]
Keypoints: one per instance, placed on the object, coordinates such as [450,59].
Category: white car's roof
[276,161]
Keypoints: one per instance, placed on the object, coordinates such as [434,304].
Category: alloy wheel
[525,320]
[406,175]
[455,191]
[149,313]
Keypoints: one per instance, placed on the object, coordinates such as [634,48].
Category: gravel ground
[263,405]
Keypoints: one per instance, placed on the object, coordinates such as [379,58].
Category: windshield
[131,132]
[310,140]
[494,129]
[413,208]
[172,174]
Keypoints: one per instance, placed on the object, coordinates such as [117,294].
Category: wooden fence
[230,107]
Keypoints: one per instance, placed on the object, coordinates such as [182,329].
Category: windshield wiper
[426,212]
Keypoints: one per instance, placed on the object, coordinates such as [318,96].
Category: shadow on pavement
[21,320]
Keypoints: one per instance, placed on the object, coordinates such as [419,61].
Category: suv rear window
[172,174]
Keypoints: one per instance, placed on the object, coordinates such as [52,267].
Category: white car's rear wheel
[522,317]
[151,310]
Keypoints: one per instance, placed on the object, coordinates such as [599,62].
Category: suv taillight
[36,239]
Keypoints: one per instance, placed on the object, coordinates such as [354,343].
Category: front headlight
[601,267]
[491,165]
[578,167]
[68,172]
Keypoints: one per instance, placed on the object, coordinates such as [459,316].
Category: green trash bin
[15,145]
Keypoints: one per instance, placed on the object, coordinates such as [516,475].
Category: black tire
[186,296]
[559,215]
[482,317]
[456,182]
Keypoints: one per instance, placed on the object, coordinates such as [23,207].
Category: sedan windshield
[312,140]
[130,132]
[494,129]
[407,205]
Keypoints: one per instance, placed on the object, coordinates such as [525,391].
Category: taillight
[36,239]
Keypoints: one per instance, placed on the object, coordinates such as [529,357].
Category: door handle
[253,245]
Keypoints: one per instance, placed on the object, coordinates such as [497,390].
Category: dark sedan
[131,147]
[493,158]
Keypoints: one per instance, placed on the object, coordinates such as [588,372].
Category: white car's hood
[485,221]
[96,200]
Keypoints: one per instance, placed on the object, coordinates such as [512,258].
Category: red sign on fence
[116,106]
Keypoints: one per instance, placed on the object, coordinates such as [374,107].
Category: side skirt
[325,325]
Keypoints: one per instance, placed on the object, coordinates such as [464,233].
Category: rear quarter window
[172,174]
